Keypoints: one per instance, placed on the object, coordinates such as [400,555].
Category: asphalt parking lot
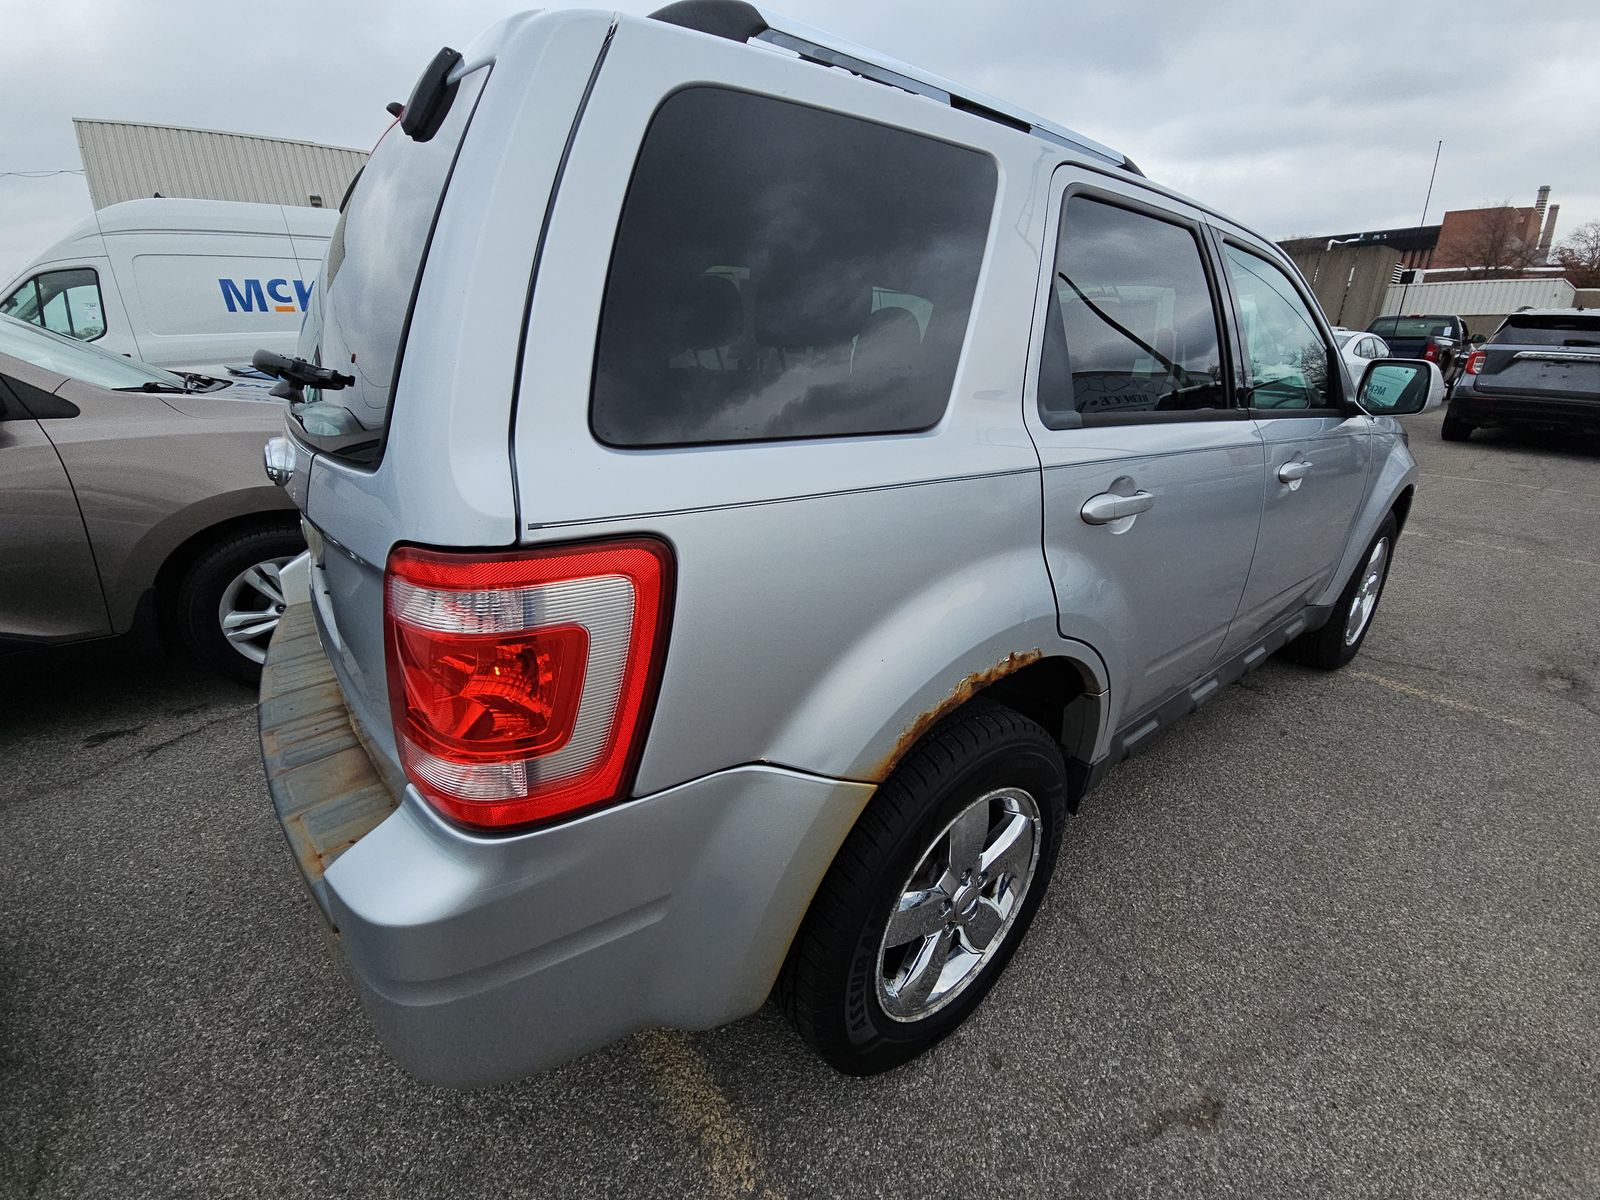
[1334,936]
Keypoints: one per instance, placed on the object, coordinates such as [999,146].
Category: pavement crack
[701,1111]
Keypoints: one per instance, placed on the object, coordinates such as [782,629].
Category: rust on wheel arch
[959,695]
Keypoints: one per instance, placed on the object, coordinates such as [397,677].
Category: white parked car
[189,285]
[1358,349]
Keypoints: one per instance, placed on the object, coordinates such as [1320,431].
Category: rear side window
[784,272]
[1548,331]
[1130,325]
[357,315]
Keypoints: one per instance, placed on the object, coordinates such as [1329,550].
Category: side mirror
[1398,387]
[1479,339]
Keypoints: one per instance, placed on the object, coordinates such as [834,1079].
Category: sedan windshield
[1343,336]
[67,356]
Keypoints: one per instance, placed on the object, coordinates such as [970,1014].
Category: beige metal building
[127,160]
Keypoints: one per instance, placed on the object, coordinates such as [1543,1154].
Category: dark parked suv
[1439,339]
[1541,368]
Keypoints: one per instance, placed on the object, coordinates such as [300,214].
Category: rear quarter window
[785,272]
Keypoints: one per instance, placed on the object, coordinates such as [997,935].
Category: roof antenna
[1406,287]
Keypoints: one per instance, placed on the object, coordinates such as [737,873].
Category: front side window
[784,272]
[1287,357]
[64,302]
[1130,323]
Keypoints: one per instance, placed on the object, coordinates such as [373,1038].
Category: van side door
[1317,442]
[1151,473]
[49,587]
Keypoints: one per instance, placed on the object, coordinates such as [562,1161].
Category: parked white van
[190,285]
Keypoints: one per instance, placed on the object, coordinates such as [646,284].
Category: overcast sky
[1295,118]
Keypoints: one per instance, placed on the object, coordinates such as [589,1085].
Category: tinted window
[1130,324]
[356,317]
[1413,327]
[1549,331]
[783,272]
[66,302]
[1288,360]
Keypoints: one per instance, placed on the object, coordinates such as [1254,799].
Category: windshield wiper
[153,385]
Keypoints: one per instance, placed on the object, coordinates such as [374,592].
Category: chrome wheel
[955,909]
[1366,597]
[250,607]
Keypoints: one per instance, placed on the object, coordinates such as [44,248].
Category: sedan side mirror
[1479,339]
[1398,387]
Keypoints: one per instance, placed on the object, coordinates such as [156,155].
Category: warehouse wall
[125,160]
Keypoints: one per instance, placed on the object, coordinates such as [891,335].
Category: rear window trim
[831,436]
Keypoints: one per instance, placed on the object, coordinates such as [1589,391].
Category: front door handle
[1108,507]
[1294,472]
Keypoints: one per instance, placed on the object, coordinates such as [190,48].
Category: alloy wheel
[250,607]
[958,904]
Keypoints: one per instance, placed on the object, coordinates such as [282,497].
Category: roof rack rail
[739,21]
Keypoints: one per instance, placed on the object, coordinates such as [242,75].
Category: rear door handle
[1294,472]
[1108,507]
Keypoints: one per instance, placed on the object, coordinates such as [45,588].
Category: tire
[1330,647]
[219,575]
[841,979]
[1454,428]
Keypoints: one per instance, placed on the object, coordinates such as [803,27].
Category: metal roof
[129,160]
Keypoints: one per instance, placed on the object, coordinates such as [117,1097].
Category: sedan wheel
[250,607]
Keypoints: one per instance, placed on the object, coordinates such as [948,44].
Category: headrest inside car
[708,313]
[799,305]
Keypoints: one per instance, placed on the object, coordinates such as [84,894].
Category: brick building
[1466,237]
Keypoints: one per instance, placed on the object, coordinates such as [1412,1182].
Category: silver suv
[751,502]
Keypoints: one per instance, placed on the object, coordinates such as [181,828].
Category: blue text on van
[272,295]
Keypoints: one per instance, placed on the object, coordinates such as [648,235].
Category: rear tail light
[1475,362]
[521,683]
[1430,352]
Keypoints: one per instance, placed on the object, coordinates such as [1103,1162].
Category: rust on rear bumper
[327,793]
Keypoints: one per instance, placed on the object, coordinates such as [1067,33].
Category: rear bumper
[482,959]
[1480,408]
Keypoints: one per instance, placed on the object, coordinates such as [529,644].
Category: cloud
[1292,118]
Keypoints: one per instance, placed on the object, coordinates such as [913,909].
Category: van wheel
[930,893]
[1337,642]
[1454,429]
[229,601]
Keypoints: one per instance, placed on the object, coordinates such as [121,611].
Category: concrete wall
[1349,281]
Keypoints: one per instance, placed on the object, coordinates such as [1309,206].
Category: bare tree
[1496,240]
[1579,253]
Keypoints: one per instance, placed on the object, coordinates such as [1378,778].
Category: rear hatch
[361,318]
[419,308]
[1545,355]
